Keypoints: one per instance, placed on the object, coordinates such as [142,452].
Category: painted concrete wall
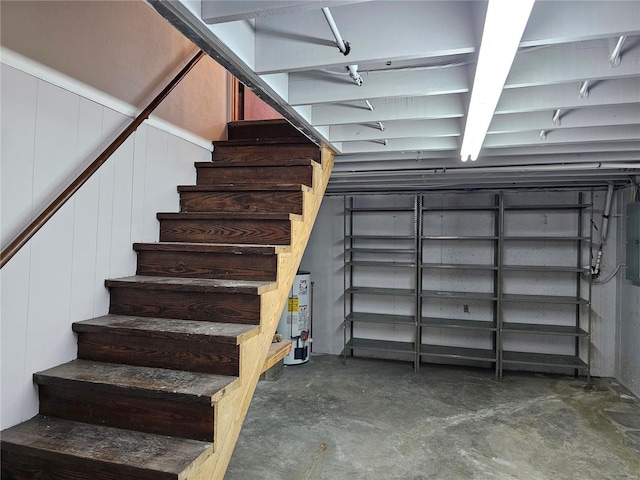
[122,48]
[324,259]
[58,277]
[627,339]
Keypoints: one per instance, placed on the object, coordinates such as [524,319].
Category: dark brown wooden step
[210,173]
[264,153]
[50,448]
[261,129]
[212,300]
[219,227]
[205,260]
[242,198]
[190,345]
[152,400]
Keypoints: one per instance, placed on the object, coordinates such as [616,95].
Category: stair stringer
[232,408]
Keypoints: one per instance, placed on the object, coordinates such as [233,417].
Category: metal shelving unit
[460,328]
[394,254]
[563,330]
[464,282]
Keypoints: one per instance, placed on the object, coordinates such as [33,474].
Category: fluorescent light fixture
[503,27]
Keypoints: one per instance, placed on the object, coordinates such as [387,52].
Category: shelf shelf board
[469,208]
[401,251]
[459,237]
[555,206]
[382,291]
[458,323]
[363,263]
[381,318]
[462,266]
[536,328]
[513,297]
[543,359]
[543,268]
[378,209]
[385,345]
[457,352]
[539,238]
[380,237]
[449,294]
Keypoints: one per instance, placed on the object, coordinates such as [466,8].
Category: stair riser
[251,130]
[264,155]
[255,176]
[30,464]
[205,306]
[251,202]
[110,407]
[207,265]
[172,353]
[268,232]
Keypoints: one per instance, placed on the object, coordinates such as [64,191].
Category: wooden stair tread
[175,385]
[277,351]
[302,162]
[208,285]
[155,456]
[264,142]
[229,216]
[245,187]
[232,333]
[233,248]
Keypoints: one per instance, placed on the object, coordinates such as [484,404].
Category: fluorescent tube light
[503,27]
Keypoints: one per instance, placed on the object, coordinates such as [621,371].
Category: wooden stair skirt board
[161,381]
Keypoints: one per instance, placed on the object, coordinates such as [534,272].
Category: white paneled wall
[48,135]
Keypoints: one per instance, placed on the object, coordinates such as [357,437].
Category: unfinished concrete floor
[378,420]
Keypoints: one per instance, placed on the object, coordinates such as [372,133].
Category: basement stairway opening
[162,383]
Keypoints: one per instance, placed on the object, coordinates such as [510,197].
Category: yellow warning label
[293,304]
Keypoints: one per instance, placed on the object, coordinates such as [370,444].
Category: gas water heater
[295,323]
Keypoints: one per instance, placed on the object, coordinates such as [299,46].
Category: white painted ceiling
[417,60]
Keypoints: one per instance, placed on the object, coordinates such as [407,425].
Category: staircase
[162,383]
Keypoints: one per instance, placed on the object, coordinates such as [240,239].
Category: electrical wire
[605,280]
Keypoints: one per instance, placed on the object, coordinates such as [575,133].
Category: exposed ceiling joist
[303,41]
[417,63]
[323,87]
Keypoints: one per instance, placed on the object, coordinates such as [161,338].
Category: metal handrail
[26,234]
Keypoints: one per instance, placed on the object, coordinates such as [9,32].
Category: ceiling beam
[562,22]
[628,114]
[395,129]
[569,63]
[303,41]
[434,107]
[548,97]
[437,143]
[563,136]
[220,11]
[321,87]
[600,151]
